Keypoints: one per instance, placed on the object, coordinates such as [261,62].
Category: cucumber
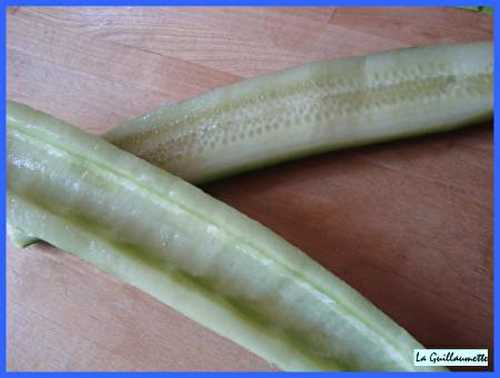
[314,108]
[168,238]
[311,109]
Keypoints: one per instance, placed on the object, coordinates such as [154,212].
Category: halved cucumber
[314,108]
[190,251]
[317,107]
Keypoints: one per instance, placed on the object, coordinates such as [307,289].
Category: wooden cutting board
[408,224]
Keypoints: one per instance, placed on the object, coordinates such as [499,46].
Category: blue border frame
[281,3]
[3,188]
[3,85]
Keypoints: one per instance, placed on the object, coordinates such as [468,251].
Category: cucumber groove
[192,252]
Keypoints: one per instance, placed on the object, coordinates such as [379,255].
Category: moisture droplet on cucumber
[190,251]
[317,107]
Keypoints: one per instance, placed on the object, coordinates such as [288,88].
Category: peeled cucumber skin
[190,251]
[315,108]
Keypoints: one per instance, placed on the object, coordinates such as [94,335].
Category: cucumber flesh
[314,108]
[210,262]
[311,109]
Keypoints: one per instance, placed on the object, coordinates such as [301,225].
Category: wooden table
[408,224]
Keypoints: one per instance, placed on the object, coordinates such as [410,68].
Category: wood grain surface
[408,224]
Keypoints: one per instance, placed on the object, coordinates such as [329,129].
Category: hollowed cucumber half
[166,237]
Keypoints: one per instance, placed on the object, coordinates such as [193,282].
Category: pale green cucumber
[205,259]
[314,108]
